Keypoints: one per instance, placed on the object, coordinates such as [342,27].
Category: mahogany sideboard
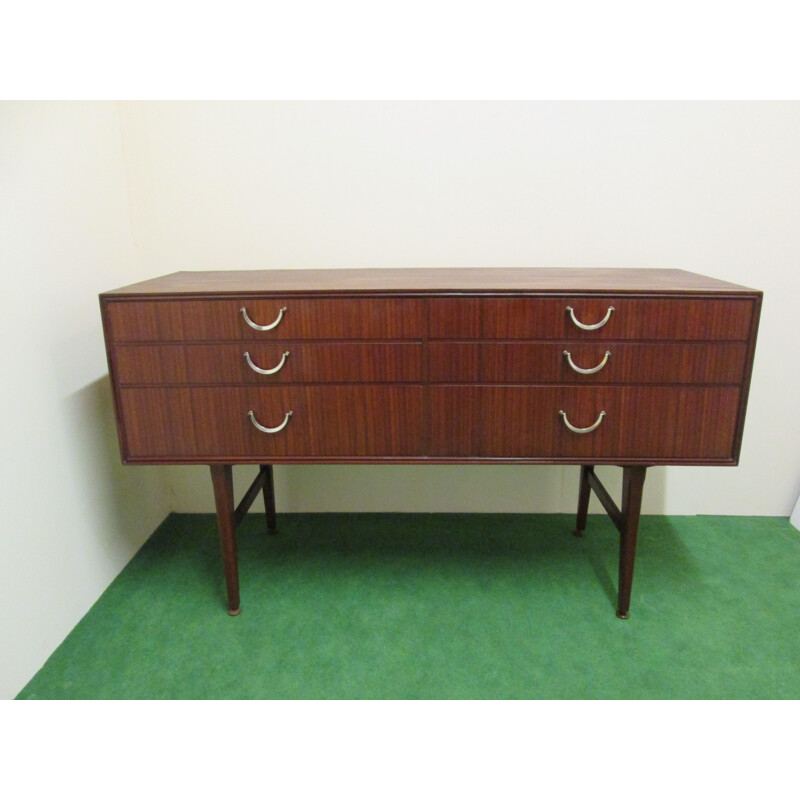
[631,367]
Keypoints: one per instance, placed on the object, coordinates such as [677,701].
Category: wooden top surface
[422,280]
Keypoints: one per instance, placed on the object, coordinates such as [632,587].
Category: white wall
[72,515]
[710,187]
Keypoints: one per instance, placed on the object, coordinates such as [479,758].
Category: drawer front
[546,362]
[632,318]
[306,362]
[640,422]
[222,320]
[207,423]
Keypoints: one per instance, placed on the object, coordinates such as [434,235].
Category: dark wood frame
[626,521]
[229,518]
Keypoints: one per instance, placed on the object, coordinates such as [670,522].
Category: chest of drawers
[625,367]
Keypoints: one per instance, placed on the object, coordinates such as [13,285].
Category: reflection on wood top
[423,280]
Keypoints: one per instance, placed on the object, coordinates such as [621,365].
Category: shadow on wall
[126,503]
[489,488]
[653,498]
[485,488]
[476,489]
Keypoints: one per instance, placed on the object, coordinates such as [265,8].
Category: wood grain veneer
[219,320]
[453,281]
[642,423]
[198,425]
[307,362]
[545,362]
[633,319]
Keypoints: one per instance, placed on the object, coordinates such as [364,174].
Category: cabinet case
[626,367]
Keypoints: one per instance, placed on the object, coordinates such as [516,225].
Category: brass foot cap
[623,614]
[234,612]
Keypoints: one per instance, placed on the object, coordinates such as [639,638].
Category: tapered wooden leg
[632,484]
[584,492]
[269,499]
[222,478]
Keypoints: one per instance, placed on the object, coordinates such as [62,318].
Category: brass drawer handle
[265,371]
[582,430]
[589,371]
[600,324]
[270,430]
[263,327]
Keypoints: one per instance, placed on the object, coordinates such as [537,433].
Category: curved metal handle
[263,327]
[270,430]
[600,324]
[265,371]
[582,430]
[589,371]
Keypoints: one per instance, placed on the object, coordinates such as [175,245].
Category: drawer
[694,424]
[549,318]
[306,318]
[306,362]
[196,424]
[546,362]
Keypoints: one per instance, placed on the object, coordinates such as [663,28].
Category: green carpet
[444,606]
